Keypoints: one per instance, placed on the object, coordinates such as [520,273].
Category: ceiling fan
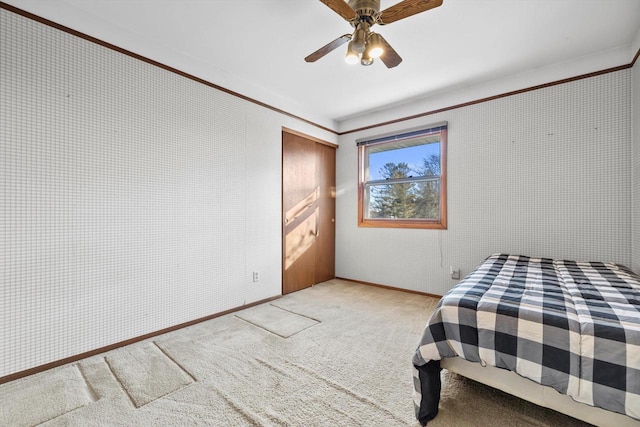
[365,45]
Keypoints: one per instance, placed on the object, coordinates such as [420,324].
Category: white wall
[131,199]
[542,173]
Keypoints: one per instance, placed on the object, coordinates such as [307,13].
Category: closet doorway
[308,210]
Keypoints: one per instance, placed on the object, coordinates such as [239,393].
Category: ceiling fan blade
[328,48]
[341,8]
[389,56]
[405,9]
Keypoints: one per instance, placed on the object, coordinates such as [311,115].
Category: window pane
[418,160]
[403,178]
[416,200]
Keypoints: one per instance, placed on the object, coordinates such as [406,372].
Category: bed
[562,334]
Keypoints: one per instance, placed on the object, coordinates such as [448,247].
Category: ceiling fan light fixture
[362,15]
[366,59]
[359,40]
[352,56]
[374,46]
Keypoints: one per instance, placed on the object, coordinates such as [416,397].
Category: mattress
[573,326]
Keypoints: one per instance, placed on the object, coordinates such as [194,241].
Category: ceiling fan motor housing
[366,9]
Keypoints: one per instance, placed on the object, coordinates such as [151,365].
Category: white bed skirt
[514,384]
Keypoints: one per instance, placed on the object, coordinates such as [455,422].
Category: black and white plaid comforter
[573,326]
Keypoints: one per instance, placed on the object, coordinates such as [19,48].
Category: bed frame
[514,384]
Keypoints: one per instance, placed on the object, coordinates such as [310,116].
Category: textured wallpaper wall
[541,173]
[635,235]
[131,199]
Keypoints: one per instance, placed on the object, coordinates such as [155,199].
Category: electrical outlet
[256,277]
[455,273]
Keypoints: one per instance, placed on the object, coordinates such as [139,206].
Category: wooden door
[326,231]
[308,211]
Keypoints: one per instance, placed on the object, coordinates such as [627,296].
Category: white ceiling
[256,47]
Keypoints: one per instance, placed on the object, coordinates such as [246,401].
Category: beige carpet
[276,320]
[337,354]
[35,401]
[136,368]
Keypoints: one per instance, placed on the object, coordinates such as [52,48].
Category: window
[402,179]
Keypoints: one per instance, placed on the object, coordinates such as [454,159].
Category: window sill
[407,223]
